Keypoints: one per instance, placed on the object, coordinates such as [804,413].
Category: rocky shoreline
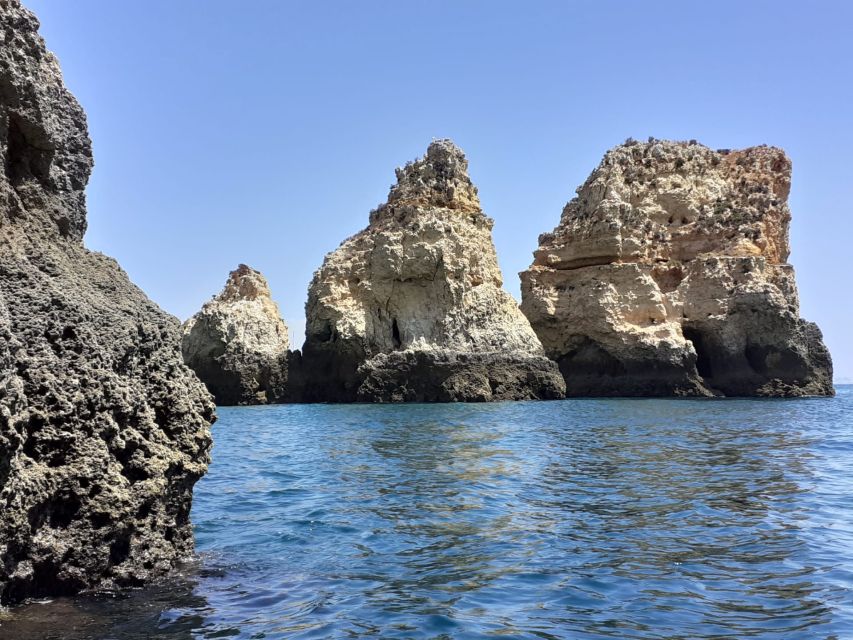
[667,275]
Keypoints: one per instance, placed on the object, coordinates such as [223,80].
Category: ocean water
[574,519]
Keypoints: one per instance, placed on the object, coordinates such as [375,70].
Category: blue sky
[264,131]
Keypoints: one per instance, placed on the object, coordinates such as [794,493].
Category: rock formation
[667,275]
[103,429]
[238,344]
[412,309]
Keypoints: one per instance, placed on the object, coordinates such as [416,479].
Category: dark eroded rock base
[420,376]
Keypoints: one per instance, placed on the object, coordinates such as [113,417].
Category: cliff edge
[103,430]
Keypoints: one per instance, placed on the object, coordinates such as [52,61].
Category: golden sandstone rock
[412,307]
[238,344]
[667,275]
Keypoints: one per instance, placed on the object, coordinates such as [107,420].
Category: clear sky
[264,131]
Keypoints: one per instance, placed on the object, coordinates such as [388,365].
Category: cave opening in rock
[24,160]
[325,332]
[703,359]
[395,334]
[756,356]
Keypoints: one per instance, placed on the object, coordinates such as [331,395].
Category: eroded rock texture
[667,275]
[238,344]
[412,309]
[103,430]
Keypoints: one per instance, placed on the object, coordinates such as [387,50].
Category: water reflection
[581,519]
[443,479]
[679,510]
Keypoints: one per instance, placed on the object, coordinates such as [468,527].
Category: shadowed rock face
[412,309]
[667,275]
[238,343]
[103,430]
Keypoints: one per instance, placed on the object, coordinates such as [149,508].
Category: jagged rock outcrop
[667,275]
[411,309]
[238,344]
[103,429]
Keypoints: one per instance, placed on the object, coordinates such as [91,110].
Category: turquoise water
[571,519]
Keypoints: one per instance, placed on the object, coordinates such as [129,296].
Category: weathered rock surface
[238,344]
[103,430]
[411,309]
[667,275]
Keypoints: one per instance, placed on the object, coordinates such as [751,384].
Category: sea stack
[411,309]
[668,275]
[238,344]
[103,429]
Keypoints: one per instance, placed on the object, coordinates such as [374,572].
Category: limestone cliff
[103,430]
[412,307]
[668,274]
[238,344]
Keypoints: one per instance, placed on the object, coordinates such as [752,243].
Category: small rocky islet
[667,275]
[237,344]
[412,309]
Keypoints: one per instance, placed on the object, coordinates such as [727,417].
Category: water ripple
[577,519]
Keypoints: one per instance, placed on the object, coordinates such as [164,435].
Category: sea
[580,519]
